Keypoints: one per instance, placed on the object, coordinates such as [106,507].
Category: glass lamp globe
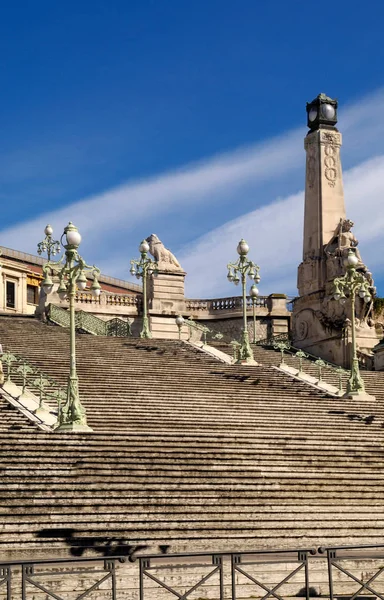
[179,320]
[230,276]
[362,293]
[312,114]
[81,282]
[367,298]
[47,287]
[242,248]
[95,288]
[257,278]
[48,230]
[144,247]
[328,111]
[47,284]
[253,292]
[72,234]
[352,259]
[62,294]
[337,296]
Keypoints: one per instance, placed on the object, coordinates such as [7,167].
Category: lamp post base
[359,395]
[145,333]
[245,353]
[248,361]
[73,427]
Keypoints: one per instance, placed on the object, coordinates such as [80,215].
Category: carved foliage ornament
[331,144]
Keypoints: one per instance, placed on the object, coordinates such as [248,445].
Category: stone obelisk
[320,324]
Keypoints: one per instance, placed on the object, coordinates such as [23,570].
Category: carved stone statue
[164,257]
[343,240]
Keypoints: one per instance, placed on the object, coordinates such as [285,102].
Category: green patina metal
[89,323]
[235,348]
[238,271]
[30,378]
[340,372]
[41,383]
[142,268]
[71,269]
[25,370]
[282,346]
[320,363]
[300,355]
[48,245]
[8,359]
[350,284]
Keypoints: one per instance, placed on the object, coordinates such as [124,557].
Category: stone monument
[320,324]
[166,289]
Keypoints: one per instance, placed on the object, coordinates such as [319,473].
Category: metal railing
[269,341]
[33,389]
[350,572]
[306,364]
[85,321]
[343,582]
[204,332]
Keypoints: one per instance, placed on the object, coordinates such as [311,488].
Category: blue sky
[186,120]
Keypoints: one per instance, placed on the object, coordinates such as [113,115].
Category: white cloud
[121,209]
[274,233]
[109,221]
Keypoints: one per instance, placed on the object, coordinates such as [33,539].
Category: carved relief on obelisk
[320,324]
[324,195]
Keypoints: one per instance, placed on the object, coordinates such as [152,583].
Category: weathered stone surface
[188,452]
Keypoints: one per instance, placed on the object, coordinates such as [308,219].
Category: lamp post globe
[72,235]
[179,322]
[144,247]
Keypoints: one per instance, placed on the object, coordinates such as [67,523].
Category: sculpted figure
[164,257]
[342,241]
[347,239]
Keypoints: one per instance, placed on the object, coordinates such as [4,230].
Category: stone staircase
[186,452]
[268,356]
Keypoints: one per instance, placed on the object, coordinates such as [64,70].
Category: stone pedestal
[166,300]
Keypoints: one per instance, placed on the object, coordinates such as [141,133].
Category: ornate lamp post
[238,272]
[71,269]
[254,292]
[350,284]
[48,245]
[142,268]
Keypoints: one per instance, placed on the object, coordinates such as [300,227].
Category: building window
[11,294]
[32,294]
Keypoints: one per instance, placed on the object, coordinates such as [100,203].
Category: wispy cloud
[274,233]
[113,222]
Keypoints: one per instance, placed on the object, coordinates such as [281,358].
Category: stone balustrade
[109,299]
[230,304]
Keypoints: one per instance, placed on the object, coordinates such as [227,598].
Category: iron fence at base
[347,572]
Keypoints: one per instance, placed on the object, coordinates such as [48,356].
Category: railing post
[320,364]
[8,359]
[340,373]
[25,370]
[300,355]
